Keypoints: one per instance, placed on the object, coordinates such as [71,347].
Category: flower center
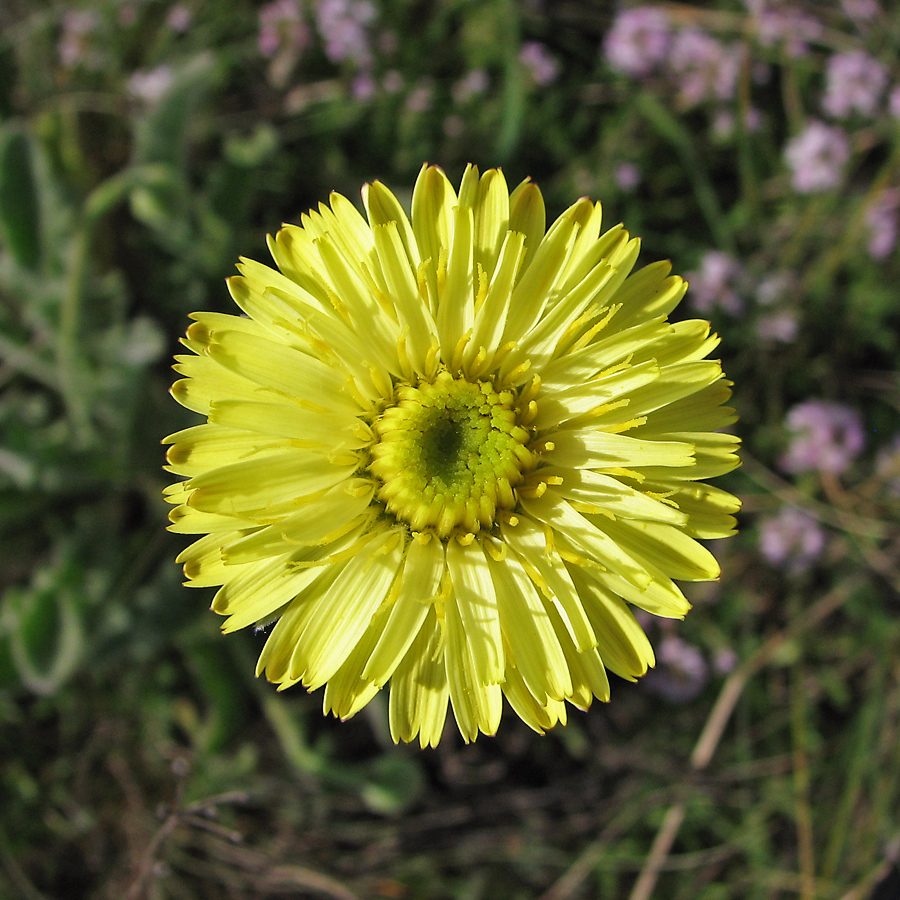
[449,454]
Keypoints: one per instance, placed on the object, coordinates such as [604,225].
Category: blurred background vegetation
[146,144]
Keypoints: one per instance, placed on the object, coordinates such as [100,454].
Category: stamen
[481,294]
[531,390]
[529,414]
[382,384]
[597,327]
[457,358]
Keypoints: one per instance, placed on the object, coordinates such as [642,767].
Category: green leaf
[45,635]
[20,228]
[393,785]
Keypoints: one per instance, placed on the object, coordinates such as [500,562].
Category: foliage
[145,145]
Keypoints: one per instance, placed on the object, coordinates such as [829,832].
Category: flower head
[894,102]
[883,223]
[714,284]
[783,23]
[281,28]
[791,539]
[638,41]
[80,42]
[825,437]
[542,67]
[704,68]
[817,157]
[861,10]
[855,82]
[447,453]
[682,673]
[343,26]
[151,85]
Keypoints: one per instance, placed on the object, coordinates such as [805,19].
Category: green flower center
[449,454]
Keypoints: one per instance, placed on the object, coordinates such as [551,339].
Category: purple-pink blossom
[151,85]
[776,324]
[638,41]
[77,46]
[894,102]
[281,28]
[179,18]
[791,539]
[824,437]
[541,65]
[472,84]
[817,157]
[785,24]
[712,286]
[681,672]
[774,287]
[343,27]
[418,100]
[627,176]
[705,69]
[725,661]
[861,10]
[882,221]
[724,122]
[363,87]
[854,82]
[781,326]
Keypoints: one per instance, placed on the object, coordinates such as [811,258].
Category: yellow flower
[450,452]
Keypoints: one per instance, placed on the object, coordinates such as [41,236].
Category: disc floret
[449,454]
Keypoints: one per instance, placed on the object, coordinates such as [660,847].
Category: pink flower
[705,69]
[825,437]
[725,661]
[854,82]
[542,67]
[882,220]
[861,10]
[179,18]
[778,23]
[627,176]
[151,85]
[791,539]
[681,672]
[712,285]
[342,25]
[638,41]
[470,85]
[363,87]
[281,28]
[894,102]
[418,100]
[817,157]
[774,287]
[77,46]
[779,326]
[724,125]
